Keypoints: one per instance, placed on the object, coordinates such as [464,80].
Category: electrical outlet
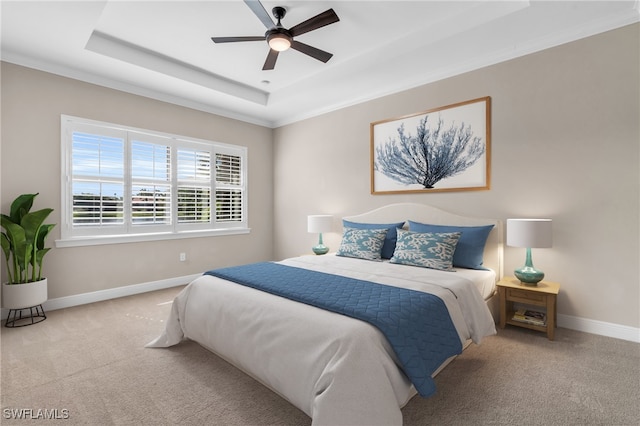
[183,257]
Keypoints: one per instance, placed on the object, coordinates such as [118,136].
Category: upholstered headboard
[393,213]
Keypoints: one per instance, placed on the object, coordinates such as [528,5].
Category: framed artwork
[443,149]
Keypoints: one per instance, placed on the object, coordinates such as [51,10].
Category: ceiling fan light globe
[279,42]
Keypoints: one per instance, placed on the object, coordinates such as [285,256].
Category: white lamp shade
[319,223]
[529,233]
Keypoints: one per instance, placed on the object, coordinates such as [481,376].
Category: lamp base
[320,249]
[529,275]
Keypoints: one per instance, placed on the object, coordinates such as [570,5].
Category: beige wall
[565,145]
[32,102]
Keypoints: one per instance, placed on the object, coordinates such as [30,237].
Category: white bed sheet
[336,369]
[485,281]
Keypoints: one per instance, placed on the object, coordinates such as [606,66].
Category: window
[124,184]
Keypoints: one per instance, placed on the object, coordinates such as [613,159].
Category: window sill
[137,238]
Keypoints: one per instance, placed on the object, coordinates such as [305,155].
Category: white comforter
[336,369]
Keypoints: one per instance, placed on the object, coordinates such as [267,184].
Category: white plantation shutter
[119,181]
[150,181]
[229,188]
[194,186]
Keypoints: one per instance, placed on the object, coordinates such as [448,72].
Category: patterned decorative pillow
[426,249]
[390,240]
[470,249]
[362,243]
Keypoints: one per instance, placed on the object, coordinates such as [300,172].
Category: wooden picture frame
[439,150]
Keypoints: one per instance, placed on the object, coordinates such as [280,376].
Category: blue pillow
[426,249]
[470,249]
[362,243]
[389,242]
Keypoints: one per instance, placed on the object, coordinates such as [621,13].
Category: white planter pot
[20,296]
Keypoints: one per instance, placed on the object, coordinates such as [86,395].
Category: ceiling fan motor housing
[278,33]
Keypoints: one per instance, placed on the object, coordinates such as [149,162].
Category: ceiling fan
[280,38]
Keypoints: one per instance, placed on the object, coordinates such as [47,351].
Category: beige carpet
[89,364]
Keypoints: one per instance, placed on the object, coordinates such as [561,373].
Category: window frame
[130,232]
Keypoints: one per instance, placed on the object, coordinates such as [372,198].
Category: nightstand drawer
[525,296]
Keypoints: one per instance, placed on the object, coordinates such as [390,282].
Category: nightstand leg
[551,316]
[502,293]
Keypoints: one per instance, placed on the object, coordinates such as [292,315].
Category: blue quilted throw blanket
[416,324]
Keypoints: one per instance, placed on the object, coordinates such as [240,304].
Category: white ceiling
[163,49]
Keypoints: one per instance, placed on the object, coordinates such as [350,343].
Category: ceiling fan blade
[318,54]
[325,18]
[270,63]
[234,39]
[258,9]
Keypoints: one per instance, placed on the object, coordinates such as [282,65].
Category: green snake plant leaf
[38,260]
[6,249]
[6,246]
[40,249]
[21,248]
[12,265]
[42,235]
[32,224]
[21,206]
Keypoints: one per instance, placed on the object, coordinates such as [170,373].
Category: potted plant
[23,242]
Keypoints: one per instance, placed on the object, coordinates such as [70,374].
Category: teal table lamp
[529,233]
[319,223]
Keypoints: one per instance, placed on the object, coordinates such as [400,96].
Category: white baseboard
[599,327]
[112,293]
[567,321]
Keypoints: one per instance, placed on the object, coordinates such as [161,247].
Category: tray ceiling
[163,49]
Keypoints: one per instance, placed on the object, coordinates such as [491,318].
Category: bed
[336,368]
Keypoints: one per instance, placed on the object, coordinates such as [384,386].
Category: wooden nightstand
[544,294]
